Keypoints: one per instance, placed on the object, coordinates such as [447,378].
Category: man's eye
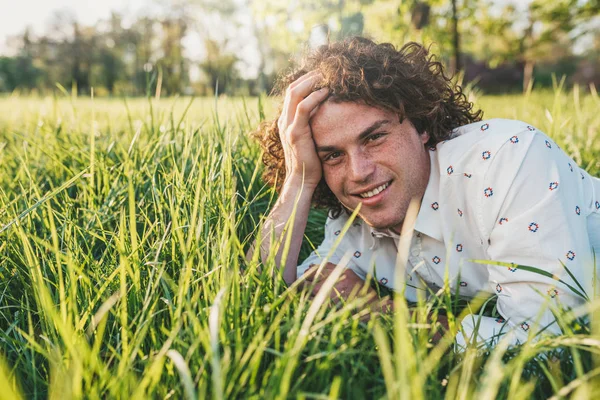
[375,136]
[332,156]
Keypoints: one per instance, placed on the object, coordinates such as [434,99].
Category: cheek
[386,158]
[333,178]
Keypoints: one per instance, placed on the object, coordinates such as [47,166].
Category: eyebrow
[366,132]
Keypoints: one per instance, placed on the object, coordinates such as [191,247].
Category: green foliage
[124,228]
[218,67]
[107,56]
[248,43]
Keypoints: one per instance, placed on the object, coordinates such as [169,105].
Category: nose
[360,168]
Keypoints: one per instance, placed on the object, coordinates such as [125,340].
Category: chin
[381,224]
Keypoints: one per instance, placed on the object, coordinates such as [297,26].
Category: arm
[292,195]
[303,172]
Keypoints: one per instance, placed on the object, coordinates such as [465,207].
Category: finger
[314,110]
[316,278]
[309,274]
[308,280]
[309,104]
[313,276]
[293,85]
[304,77]
[316,290]
[297,94]
[304,284]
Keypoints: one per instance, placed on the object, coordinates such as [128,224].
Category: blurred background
[237,47]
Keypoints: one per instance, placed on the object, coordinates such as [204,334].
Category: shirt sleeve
[333,230]
[536,218]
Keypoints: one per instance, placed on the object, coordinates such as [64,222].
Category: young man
[366,124]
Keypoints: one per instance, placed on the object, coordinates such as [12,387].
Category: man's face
[368,156]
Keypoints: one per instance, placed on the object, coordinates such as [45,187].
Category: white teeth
[375,191]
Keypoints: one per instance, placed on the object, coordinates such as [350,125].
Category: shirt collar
[429,218]
[379,233]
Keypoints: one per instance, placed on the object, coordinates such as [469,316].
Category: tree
[219,67]
[112,46]
[455,64]
[550,29]
[172,62]
[20,72]
[144,35]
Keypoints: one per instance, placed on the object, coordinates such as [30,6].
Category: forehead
[334,118]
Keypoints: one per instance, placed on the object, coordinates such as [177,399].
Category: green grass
[123,233]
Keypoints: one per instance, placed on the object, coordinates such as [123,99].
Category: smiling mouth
[375,191]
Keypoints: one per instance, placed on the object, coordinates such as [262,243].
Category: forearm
[294,201]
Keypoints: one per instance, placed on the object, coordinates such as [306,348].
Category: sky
[16,15]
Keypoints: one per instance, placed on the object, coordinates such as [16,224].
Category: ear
[424,137]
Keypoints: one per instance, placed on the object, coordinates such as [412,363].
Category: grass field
[123,230]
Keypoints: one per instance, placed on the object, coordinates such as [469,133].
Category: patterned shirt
[498,190]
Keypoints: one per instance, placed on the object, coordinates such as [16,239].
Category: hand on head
[301,100]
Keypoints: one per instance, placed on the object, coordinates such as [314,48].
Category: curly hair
[408,82]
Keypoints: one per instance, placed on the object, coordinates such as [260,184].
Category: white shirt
[498,190]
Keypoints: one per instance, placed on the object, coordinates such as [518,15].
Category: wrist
[296,182]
